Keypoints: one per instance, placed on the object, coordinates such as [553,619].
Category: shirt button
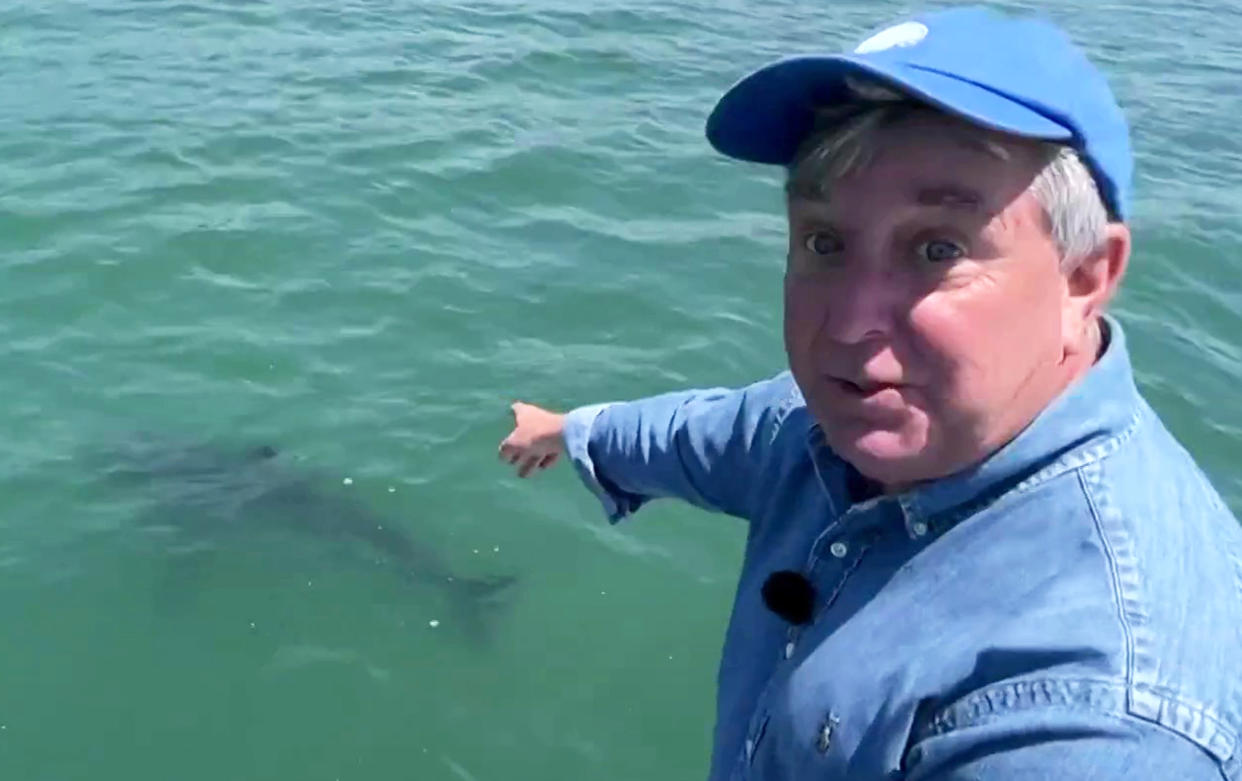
[919,528]
[789,649]
[839,549]
[825,733]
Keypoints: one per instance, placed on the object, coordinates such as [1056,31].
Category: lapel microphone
[790,595]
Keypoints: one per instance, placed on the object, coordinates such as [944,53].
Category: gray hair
[1064,187]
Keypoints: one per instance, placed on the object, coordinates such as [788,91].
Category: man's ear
[1090,286]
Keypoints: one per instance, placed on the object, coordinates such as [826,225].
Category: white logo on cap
[904,34]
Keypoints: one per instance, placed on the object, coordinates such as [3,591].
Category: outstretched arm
[703,446]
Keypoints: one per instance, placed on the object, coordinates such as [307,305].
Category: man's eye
[822,243]
[940,250]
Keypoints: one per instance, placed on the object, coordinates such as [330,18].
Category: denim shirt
[1069,608]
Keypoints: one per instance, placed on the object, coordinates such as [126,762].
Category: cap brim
[765,116]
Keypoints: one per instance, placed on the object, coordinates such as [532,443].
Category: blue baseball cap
[1018,76]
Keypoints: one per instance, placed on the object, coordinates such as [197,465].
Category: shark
[209,492]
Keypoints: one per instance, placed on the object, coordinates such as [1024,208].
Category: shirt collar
[1078,426]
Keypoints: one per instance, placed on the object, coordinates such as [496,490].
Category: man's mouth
[863,388]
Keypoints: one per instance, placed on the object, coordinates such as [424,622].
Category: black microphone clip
[790,595]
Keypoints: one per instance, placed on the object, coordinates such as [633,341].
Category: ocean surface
[313,250]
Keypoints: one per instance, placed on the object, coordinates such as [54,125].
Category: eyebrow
[950,197]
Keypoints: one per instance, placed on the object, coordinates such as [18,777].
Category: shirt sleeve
[703,446]
[1056,745]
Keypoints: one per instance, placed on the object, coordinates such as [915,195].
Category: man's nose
[862,306]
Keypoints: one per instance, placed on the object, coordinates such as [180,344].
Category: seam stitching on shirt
[1078,459]
[1120,555]
[944,722]
[979,707]
[1202,710]
[1114,577]
[1075,460]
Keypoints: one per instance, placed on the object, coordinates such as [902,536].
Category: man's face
[924,304]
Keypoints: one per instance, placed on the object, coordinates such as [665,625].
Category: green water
[355,231]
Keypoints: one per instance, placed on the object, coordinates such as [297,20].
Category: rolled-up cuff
[577,433]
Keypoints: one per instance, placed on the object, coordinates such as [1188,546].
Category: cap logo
[904,34]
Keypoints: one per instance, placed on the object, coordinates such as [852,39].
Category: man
[974,552]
